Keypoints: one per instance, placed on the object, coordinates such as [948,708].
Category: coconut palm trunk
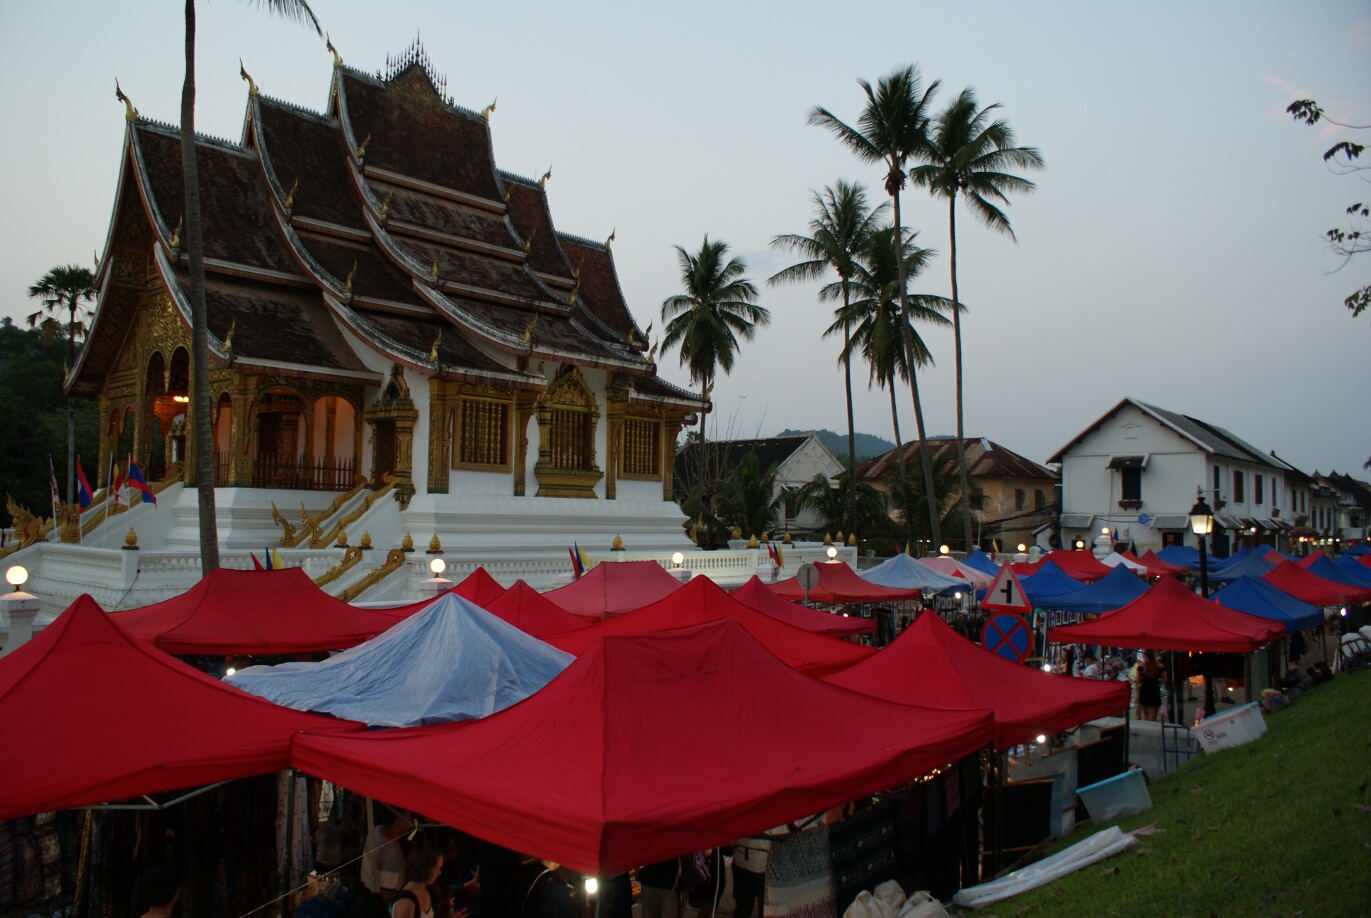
[901,465]
[851,424]
[907,337]
[199,332]
[964,476]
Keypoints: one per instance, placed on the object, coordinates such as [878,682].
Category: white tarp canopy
[903,572]
[450,661]
[1114,559]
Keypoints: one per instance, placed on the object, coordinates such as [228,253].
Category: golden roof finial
[528,243]
[652,354]
[243,72]
[347,285]
[709,390]
[175,241]
[289,202]
[433,269]
[228,335]
[328,43]
[542,182]
[433,351]
[385,205]
[130,113]
[527,336]
[617,544]
[571,297]
[362,148]
[489,109]
[629,340]
[612,233]
[509,190]
[576,271]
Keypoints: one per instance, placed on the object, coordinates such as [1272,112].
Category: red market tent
[648,746]
[1157,567]
[1309,559]
[478,587]
[533,613]
[1170,617]
[1289,577]
[1078,565]
[254,612]
[93,714]
[840,583]
[701,600]
[615,587]
[930,664]
[757,597]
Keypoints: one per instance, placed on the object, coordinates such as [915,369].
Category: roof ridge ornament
[489,110]
[289,202]
[130,113]
[175,240]
[509,190]
[433,269]
[528,243]
[361,150]
[242,72]
[542,182]
[337,58]
[228,336]
[347,285]
[527,337]
[433,351]
[612,233]
[385,204]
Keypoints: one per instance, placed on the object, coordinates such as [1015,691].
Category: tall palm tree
[880,329]
[747,498]
[717,308]
[195,250]
[831,504]
[969,155]
[892,128]
[911,502]
[842,221]
[65,289]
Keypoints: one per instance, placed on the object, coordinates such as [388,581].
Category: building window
[1132,484]
[1237,487]
[571,431]
[1257,489]
[482,434]
[1039,499]
[792,504]
[1018,498]
[642,455]
[1218,482]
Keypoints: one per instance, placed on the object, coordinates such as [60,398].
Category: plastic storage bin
[1231,728]
[1113,798]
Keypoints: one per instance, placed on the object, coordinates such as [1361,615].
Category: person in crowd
[1150,679]
[416,898]
[383,861]
[551,895]
[662,895]
[749,875]
[161,890]
[1091,668]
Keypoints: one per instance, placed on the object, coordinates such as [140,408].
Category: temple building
[384,304]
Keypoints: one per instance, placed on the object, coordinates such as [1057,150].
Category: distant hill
[868,445]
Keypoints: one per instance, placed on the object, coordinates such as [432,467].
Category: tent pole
[290,838]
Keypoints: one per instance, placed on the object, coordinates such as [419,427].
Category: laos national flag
[139,483]
[83,491]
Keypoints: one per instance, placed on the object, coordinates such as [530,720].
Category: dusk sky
[1173,251]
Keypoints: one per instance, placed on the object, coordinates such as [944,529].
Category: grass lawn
[1280,826]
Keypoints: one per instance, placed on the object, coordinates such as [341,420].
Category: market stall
[756,596]
[614,587]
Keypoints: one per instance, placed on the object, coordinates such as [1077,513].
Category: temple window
[642,451]
[483,435]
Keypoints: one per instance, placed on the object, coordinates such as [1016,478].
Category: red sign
[1006,635]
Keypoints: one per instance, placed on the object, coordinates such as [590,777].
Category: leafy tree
[842,221]
[1342,158]
[717,308]
[970,156]
[33,414]
[201,406]
[832,504]
[65,289]
[912,505]
[747,499]
[892,129]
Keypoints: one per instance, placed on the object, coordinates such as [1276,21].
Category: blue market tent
[1048,583]
[1219,564]
[1252,563]
[981,562]
[1112,591]
[1184,555]
[451,661]
[1348,564]
[1266,552]
[1255,596]
[904,573]
[1357,550]
[1355,573]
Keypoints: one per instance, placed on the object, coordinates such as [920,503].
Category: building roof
[985,459]
[1208,437]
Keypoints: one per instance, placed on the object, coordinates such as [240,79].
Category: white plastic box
[1230,728]
[1116,797]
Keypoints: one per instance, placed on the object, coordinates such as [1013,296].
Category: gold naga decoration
[362,148]
[528,243]
[328,43]
[542,182]
[130,113]
[433,269]
[489,110]
[289,202]
[385,204]
[347,285]
[527,336]
[242,72]
[509,190]
[433,351]
[571,297]
[612,233]
[652,354]
[175,240]
[228,344]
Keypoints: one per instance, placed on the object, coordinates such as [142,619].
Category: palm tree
[830,504]
[879,330]
[717,308]
[892,128]
[747,498]
[969,155]
[65,289]
[842,221]
[912,504]
[201,406]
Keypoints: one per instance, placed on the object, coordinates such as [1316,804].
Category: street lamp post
[1202,524]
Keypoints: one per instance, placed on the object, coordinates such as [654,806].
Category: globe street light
[1202,524]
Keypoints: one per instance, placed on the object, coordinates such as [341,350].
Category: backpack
[694,871]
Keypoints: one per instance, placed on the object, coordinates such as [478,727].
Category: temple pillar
[442,397]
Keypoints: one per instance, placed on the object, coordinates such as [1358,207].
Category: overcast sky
[1172,251]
